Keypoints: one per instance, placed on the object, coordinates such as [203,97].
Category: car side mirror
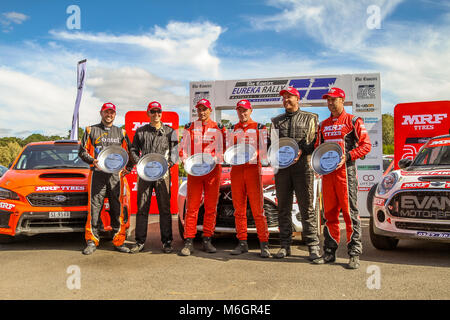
[404,163]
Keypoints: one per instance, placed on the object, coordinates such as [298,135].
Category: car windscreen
[433,156]
[50,156]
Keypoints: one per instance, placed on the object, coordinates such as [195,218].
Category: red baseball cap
[204,102]
[108,105]
[244,104]
[290,90]
[154,105]
[335,93]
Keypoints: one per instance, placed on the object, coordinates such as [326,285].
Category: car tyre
[5,238]
[381,242]
[370,195]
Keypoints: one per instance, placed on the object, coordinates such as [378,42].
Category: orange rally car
[46,191]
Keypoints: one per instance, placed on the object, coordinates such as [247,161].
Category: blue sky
[139,51]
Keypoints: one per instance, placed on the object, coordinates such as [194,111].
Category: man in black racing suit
[102,184]
[154,137]
[298,177]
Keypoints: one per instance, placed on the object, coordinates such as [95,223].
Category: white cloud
[132,87]
[339,25]
[8,19]
[412,57]
[177,46]
[35,105]
[414,65]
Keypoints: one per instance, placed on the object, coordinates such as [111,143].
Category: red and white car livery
[414,201]
[225,222]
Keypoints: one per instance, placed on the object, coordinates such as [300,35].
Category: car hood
[423,178]
[59,180]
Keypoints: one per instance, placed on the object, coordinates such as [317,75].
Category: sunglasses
[153,111]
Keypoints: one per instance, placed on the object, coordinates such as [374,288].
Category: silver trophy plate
[283,152]
[152,167]
[112,159]
[326,157]
[199,164]
[240,154]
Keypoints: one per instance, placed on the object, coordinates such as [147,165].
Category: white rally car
[414,201]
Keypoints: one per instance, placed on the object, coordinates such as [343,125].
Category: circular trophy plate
[239,154]
[152,167]
[283,152]
[326,157]
[112,159]
[199,164]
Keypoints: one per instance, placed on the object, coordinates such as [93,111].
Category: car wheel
[381,242]
[5,238]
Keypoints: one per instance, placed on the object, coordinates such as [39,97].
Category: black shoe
[265,253]
[122,248]
[283,252]
[326,258]
[314,253]
[90,248]
[167,247]
[353,263]
[188,248]
[207,245]
[137,247]
[242,247]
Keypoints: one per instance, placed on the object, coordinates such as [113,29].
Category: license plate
[59,215]
[441,235]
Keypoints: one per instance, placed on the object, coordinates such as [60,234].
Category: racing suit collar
[290,114]
[245,124]
[102,125]
[159,131]
[343,114]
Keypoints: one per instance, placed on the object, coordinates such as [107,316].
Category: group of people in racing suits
[204,135]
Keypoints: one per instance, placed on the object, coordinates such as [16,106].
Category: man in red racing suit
[246,180]
[202,136]
[340,187]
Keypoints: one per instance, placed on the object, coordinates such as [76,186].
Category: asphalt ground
[53,267]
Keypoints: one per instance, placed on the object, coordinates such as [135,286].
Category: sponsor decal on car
[60,188]
[415,185]
[7,206]
[439,143]
[426,173]
[379,201]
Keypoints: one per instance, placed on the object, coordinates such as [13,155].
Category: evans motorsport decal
[425,207]
[268,90]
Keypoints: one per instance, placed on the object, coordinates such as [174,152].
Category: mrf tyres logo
[425,207]
[268,90]
[424,121]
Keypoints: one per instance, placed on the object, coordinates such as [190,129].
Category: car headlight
[6,194]
[387,183]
